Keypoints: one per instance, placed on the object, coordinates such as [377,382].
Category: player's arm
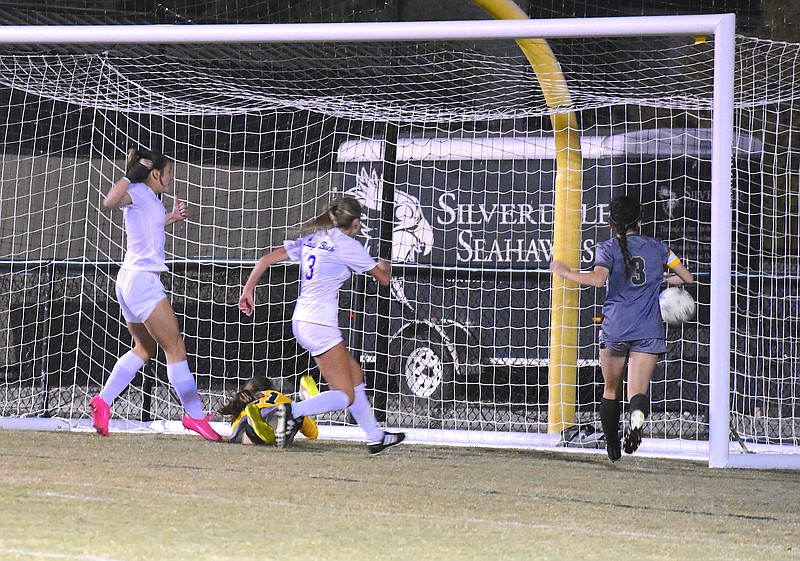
[247,301]
[596,277]
[382,272]
[138,171]
[681,275]
[118,195]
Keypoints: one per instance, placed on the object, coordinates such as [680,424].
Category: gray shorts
[651,346]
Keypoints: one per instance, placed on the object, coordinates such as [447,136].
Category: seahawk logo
[412,233]
[669,200]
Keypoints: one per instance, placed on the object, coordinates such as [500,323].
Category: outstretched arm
[596,277]
[382,272]
[682,275]
[247,300]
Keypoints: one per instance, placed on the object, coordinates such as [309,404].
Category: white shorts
[138,294]
[316,338]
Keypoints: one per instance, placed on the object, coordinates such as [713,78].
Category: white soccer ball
[677,305]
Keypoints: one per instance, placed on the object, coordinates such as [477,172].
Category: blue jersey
[630,311]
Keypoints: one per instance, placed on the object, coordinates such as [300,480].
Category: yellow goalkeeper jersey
[267,404]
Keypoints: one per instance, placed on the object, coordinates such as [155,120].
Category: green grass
[75,496]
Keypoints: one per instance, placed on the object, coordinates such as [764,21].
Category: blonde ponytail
[341,213]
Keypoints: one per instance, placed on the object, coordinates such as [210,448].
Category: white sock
[182,380]
[122,374]
[331,400]
[361,409]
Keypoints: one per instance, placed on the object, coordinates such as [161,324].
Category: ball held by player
[677,305]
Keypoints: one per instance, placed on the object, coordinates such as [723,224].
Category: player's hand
[385,265]
[180,210]
[246,303]
[559,267]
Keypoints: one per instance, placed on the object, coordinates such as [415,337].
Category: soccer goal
[476,161]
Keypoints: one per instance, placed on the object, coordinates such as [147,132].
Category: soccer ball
[677,305]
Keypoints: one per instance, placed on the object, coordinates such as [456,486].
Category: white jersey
[326,260]
[145,219]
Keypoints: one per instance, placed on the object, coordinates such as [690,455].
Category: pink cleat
[201,427]
[101,413]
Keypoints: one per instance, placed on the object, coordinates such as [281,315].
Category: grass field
[75,496]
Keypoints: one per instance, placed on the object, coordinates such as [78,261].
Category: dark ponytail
[142,162]
[625,215]
[251,391]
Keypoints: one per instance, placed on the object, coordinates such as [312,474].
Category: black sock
[640,402]
[609,419]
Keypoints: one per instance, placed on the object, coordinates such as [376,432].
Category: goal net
[450,147]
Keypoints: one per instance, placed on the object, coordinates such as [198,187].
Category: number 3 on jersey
[310,266]
[638,275]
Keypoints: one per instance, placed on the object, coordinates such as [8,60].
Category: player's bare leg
[640,371]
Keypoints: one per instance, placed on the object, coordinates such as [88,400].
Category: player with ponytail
[149,314]
[631,267]
[328,255]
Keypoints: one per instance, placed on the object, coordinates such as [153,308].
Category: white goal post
[244,207]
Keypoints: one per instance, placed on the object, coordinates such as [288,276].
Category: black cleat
[287,425]
[632,441]
[634,437]
[613,451]
[389,439]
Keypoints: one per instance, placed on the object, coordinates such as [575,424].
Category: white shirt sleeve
[355,255]
[135,194]
[294,248]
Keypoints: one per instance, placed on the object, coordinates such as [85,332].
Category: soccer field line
[51,555]
[672,448]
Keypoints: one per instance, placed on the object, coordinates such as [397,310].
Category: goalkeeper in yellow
[251,412]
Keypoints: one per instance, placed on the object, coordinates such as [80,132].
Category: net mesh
[262,135]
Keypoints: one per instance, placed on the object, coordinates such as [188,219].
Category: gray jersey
[630,311]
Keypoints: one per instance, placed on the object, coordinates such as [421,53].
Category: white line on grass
[65,496]
[50,555]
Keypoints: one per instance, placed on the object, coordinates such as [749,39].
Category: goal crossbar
[369,31]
